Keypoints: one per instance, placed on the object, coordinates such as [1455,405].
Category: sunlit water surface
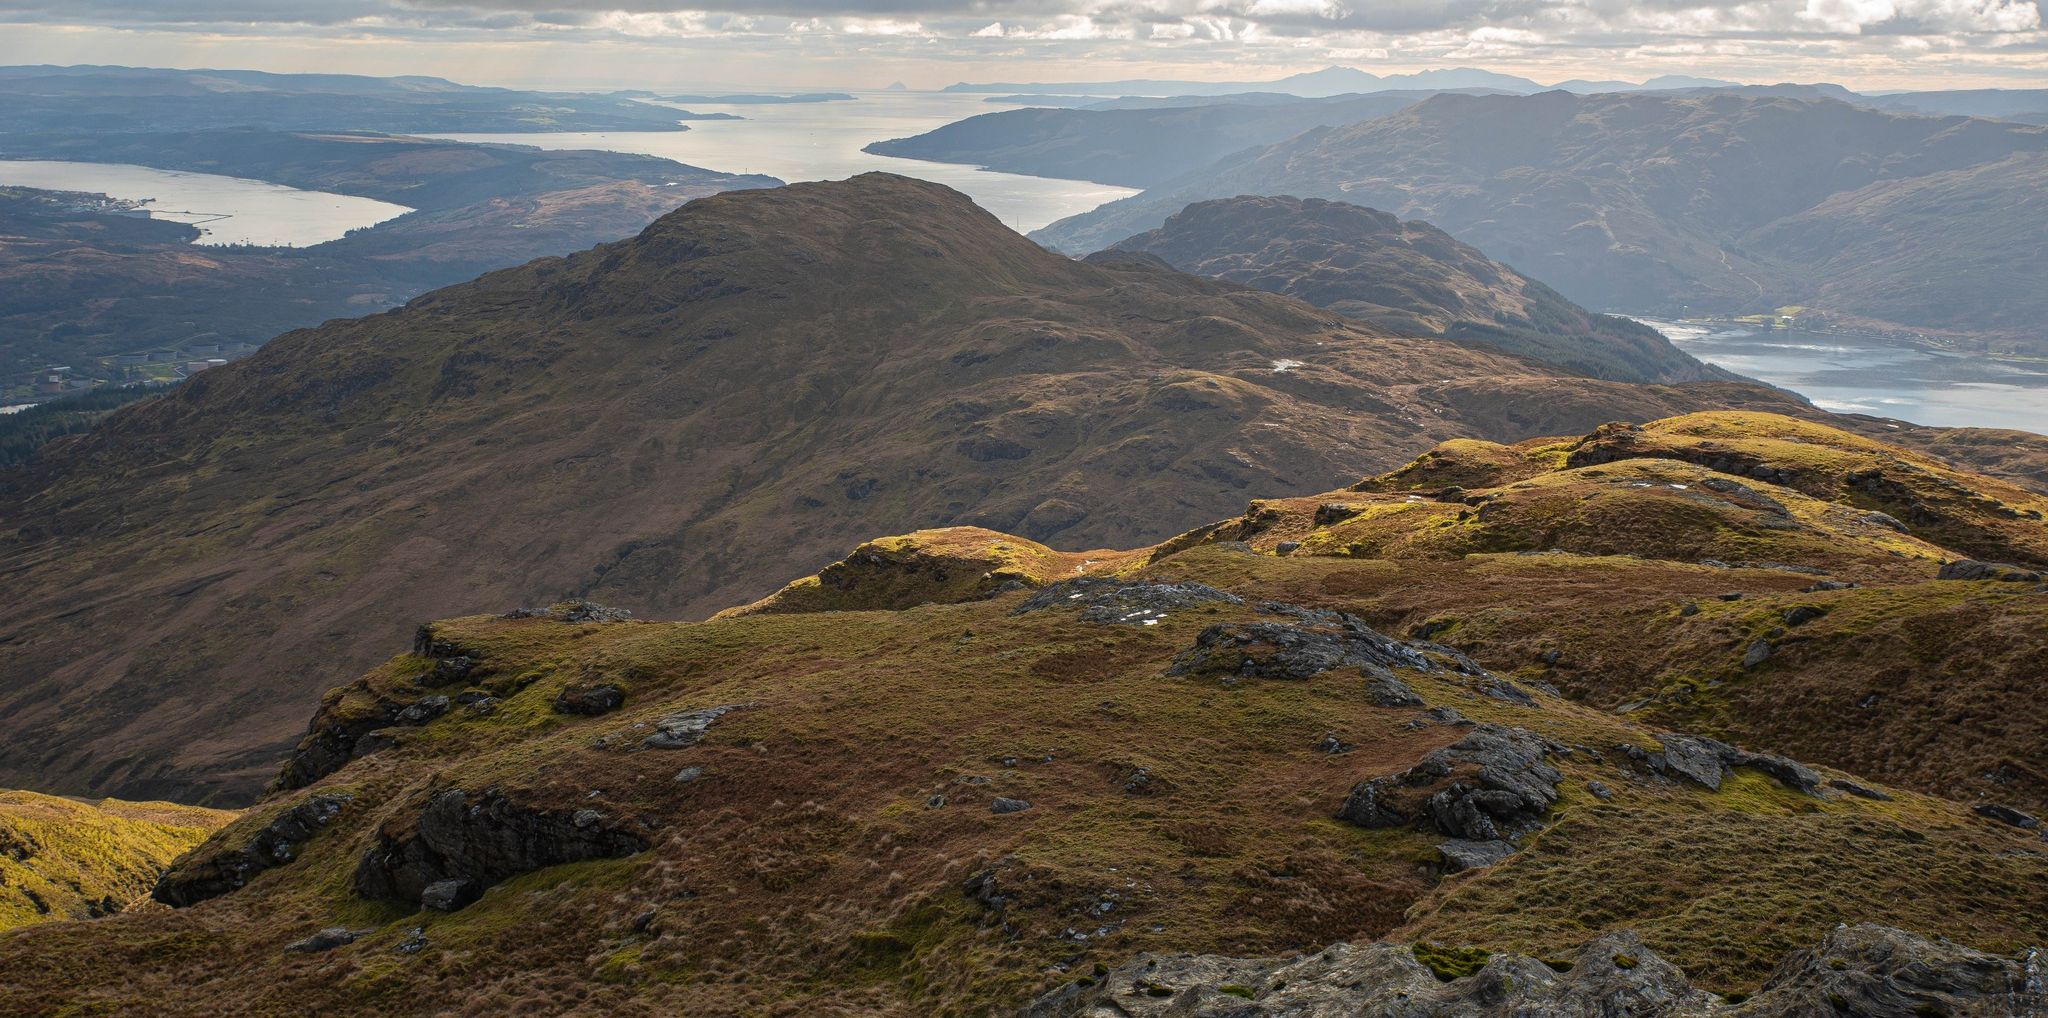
[227,210]
[1864,374]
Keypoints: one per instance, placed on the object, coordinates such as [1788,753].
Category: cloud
[1237,39]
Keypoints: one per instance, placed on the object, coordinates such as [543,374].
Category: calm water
[1851,373]
[227,210]
[822,141]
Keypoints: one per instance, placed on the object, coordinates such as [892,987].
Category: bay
[822,141]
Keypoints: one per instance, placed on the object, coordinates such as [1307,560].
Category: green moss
[1450,963]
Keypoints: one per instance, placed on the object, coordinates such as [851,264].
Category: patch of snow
[1284,365]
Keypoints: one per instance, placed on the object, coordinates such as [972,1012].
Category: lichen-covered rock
[213,870]
[461,844]
[1865,971]
[1491,785]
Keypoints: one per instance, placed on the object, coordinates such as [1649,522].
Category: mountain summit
[675,423]
[1409,278]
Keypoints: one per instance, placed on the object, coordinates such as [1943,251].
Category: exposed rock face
[463,843]
[331,741]
[199,877]
[1489,786]
[1866,970]
[340,729]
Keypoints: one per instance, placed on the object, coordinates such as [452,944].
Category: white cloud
[1899,43]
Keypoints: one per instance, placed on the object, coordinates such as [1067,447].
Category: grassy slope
[807,872]
[64,859]
[676,424]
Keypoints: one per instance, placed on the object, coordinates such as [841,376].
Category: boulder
[1491,785]
[1459,855]
[2005,815]
[687,728]
[1004,805]
[589,701]
[422,711]
[325,940]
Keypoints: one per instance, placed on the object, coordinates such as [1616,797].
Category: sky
[780,44]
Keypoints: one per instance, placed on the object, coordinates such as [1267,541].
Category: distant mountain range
[1136,142]
[1335,81]
[1707,201]
[98,98]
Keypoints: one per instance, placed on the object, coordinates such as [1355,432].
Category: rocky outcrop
[216,869]
[462,843]
[590,700]
[1970,569]
[686,728]
[332,737]
[348,714]
[1706,762]
[1870,971]
[1113,602]
[1312,643]
[573,613]
[1483,790]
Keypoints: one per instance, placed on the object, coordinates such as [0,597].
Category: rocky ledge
[1866,970]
